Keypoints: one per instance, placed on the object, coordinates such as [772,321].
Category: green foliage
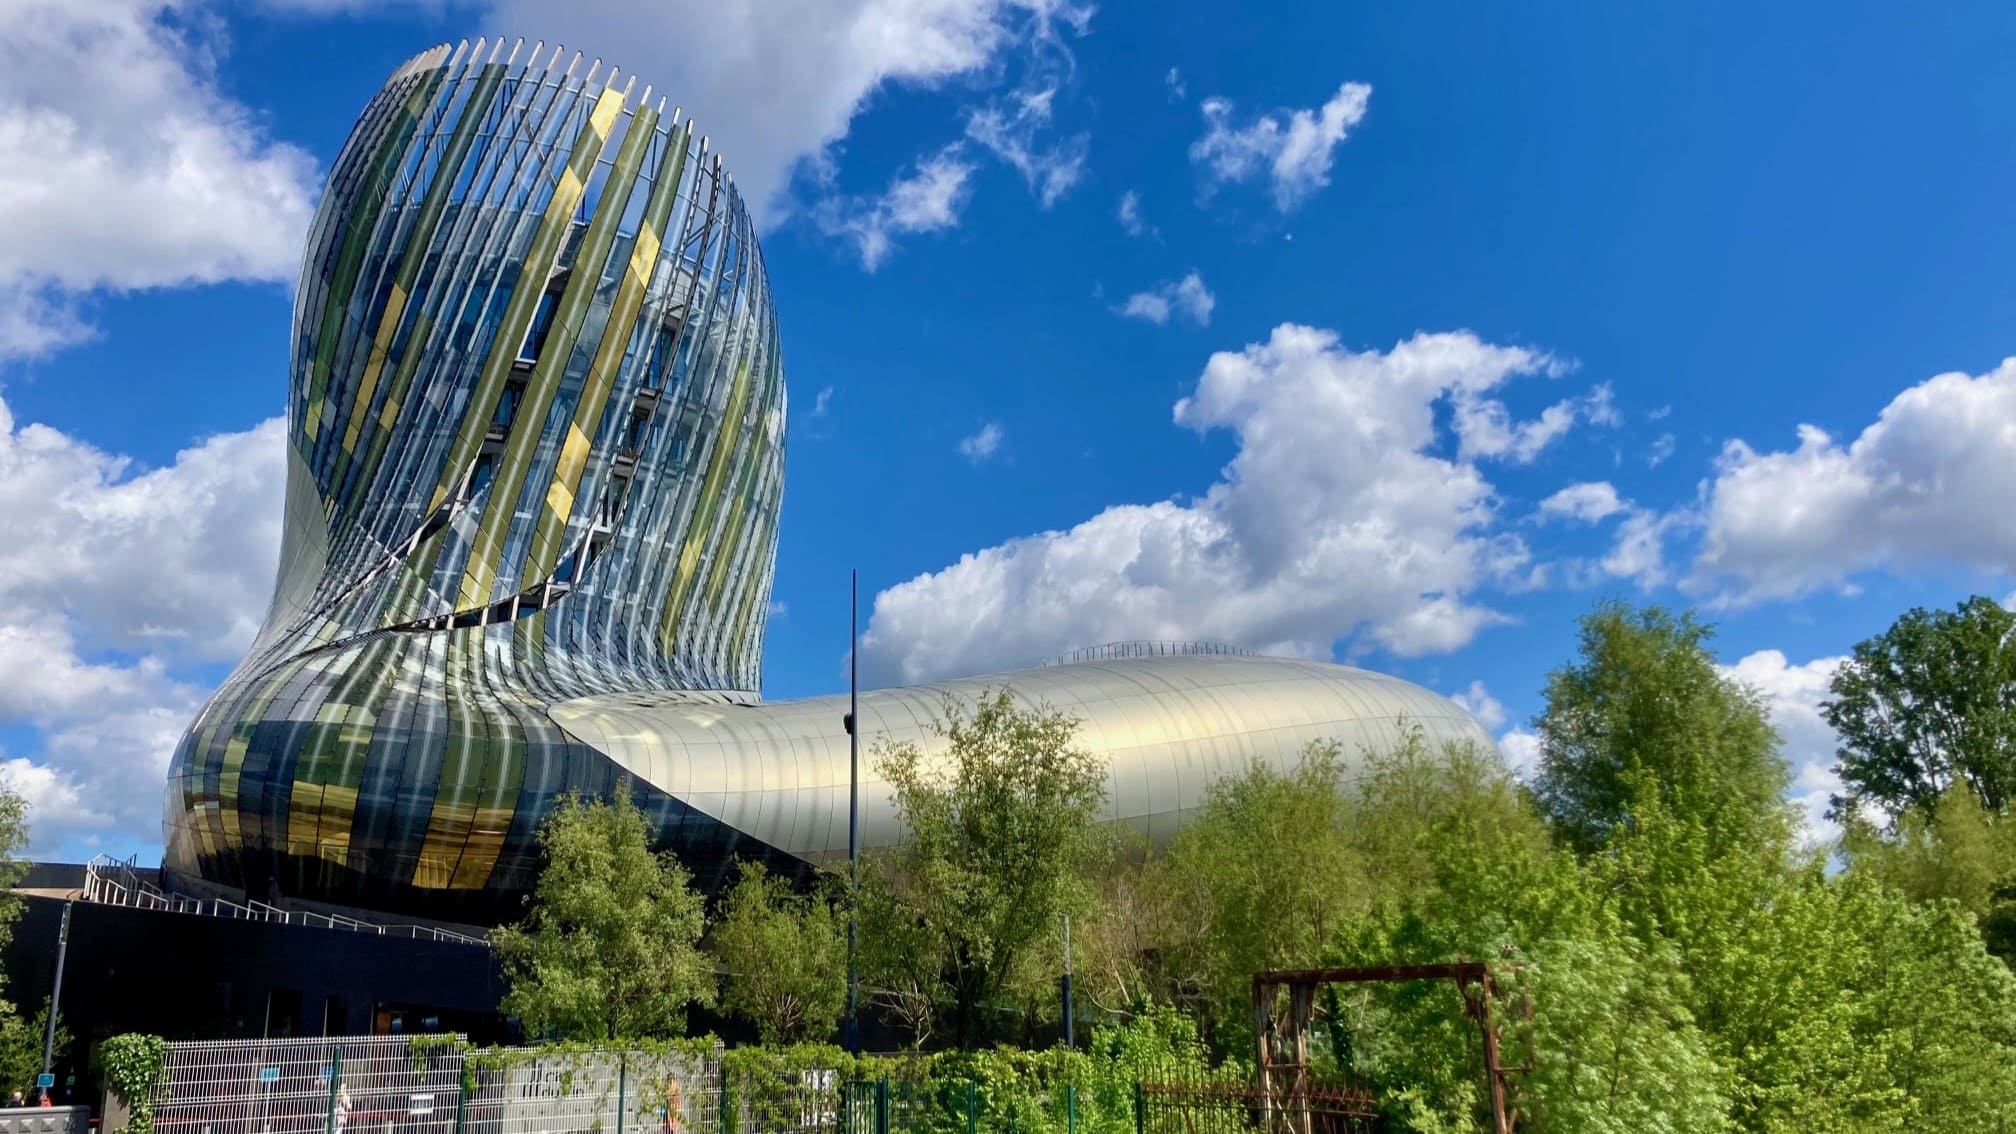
[1004,829]
[1277,865]
[21,1040]
[1954,850]
[1612,1044]
[609,950]
[1645,715]
[1269,870]
[785,954]
[134,1065]
[1928,704]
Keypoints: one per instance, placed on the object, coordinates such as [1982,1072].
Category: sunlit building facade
[535,457]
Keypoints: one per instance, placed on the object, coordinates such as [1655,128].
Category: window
[542,324]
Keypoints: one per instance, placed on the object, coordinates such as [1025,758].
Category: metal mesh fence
[349,1085]
[408,1085]
[604,1092]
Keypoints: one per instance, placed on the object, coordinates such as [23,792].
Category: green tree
[1268,871]
[1929,703]
[902,952]
[1645,714]
[785,956]
[1956,850]
[1139,944]
[1003,831]
[1613,1045]
[21,1039]
[609,949]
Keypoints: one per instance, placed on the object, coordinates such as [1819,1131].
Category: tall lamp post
[55,1004]
[853,1024]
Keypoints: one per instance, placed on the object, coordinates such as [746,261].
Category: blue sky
[1393,333]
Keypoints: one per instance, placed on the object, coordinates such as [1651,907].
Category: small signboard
[44,1081]
[420,1104]
[328,1072]
[269,1074]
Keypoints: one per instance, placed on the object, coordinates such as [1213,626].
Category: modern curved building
[535,455]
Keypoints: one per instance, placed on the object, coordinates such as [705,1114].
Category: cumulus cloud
[115,581]
[1187,297]
[928,199]
[123,166]
[1928,483]
[1522,751]
[1341,516]
[1486,428]
[1637,551]
[1479,703]
[1290,149]
[1588,502]
[1795,693]
[1011,130]
[982,445]
[777,83]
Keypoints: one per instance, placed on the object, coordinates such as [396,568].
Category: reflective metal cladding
[535,456]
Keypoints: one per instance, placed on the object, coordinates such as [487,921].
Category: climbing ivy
[134,1067]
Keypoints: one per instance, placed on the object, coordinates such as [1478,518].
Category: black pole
[55,998]
[853,1027]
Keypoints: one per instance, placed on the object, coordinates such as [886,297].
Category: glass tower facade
[536,451]
[535,457]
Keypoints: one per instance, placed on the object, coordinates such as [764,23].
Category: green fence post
[622,1081]
[335,1077]
[882,1106]
[725,1128]
[1140,1110]
[972,1109]
[462,1081]
[1070,1108]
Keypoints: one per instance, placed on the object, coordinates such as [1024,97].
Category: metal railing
[1113,651]
[109,881]
[433,1085]
[438,1085]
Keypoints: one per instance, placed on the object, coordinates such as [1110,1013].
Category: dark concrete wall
[189,976]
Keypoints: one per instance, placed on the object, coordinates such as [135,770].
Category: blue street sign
[44,1081]
[269,1074]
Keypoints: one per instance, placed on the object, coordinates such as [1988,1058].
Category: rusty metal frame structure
[1282,1037]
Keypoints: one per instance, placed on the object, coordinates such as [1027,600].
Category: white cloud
[1522,751]
[927,200]
[1638,552]
[112,581]
[1338,517]
[1130,214]
[1795,693]
[1479,703]
[1292,149]
[1660,450]
[1589,502]
[123,166]
[777,83]
[1928,483]
[1187,297]
[1485,427]
[1010,130]
[1174,81]
[982,445]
